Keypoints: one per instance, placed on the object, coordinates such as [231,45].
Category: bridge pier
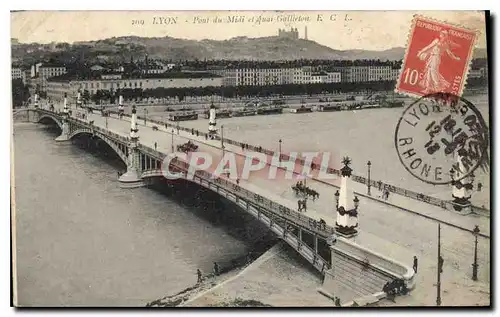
[132,177]
[65,124]
[64,137]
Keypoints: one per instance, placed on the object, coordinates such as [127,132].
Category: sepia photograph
[205,159]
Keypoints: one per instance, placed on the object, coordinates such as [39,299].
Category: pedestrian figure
[440,264]
[197,133]
[155,146]
[200,278]
[479,186]
[337,302]
[415,263]
[387,194]
[206,137]
[216,269]
[299,203]
[242,146]
[237,181]
[380,185]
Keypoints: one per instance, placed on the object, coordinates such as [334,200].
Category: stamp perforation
[445,23]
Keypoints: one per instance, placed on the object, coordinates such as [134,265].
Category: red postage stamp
[437,58]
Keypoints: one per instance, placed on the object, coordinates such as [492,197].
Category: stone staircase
[359,274]
[351,278]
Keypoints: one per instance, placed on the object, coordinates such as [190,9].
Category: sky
[369,30]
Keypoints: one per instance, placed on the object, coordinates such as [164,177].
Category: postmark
[437,58]
[441,133]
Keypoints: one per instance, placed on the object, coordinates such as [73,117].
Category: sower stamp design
[436,140]
[437,58]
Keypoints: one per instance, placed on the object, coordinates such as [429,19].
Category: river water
[83,241]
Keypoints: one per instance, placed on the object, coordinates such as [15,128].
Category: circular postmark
[441,138]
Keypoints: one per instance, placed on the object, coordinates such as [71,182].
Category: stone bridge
[333,256]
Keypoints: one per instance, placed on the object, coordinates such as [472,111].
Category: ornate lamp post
[337,194]
[172,141]
[356,202]
[475,265]
[145,115]
[369,164]
[222,138]
[280,150]
[438,285]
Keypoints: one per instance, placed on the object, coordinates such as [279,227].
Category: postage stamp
[436,139]
[437,58]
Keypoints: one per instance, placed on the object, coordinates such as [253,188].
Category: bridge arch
[53,118]
[112,144]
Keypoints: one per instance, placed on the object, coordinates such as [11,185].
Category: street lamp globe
[476,230]
[337,195]
[356,202]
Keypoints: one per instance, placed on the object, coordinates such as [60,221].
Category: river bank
[279,278]
[227,272]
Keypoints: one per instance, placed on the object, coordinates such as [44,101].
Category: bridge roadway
[384,228]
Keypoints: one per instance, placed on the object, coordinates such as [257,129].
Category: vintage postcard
[250,159]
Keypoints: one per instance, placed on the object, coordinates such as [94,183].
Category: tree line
[237,91]
[250,91]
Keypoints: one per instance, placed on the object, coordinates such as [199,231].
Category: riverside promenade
[399,227]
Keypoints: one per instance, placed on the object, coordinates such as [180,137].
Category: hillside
[264,48]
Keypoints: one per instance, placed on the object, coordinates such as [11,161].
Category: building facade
[48,71]
[275,76]
[357,74]
[56,88]
[40,74]
[17,73]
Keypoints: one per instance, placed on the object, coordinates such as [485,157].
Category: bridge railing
[278,209]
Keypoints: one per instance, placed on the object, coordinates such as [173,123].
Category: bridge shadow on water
[220,213]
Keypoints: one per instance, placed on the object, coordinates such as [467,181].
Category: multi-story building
[154,69]
[356,74]
[112,82]
[380,73]
[17,73]
[41,72]
[48,70]
[275,76]
[314,75]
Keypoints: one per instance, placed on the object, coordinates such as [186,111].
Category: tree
[97,97]
[20,93]
[86,96]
